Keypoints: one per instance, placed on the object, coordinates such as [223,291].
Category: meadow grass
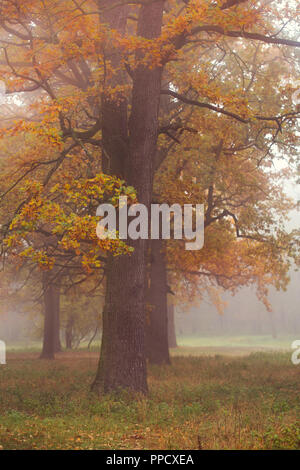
[194,345]
[262,342]
[199,402]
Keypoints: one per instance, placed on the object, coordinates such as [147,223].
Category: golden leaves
[64,215]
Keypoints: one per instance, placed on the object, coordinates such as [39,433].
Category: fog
[244,314]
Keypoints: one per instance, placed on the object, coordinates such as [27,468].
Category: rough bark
[51,302]
[114,113]
[123,360]
[157,325]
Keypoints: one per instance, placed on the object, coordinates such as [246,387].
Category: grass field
[232,345]
[194,345]
[200,402]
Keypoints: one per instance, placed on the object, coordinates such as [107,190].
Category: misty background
[243,315]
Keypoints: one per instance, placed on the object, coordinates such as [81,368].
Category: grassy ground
[258,342]
[193,345]
[208,402]
[232,345]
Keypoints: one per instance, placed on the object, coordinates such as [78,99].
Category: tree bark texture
[157,325]
[123,358]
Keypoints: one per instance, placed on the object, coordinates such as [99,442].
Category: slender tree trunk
[123,360]
[93,337]
[171,326]
[57,342]
[69,332]
[157,326]
[50,317]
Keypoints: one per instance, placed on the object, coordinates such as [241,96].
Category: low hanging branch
[272,39]
[199,104]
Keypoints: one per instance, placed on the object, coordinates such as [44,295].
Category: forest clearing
[149,227]
[214,402]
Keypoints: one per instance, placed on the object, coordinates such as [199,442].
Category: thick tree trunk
[114,112]
[157,325]
[171,326]
[51,302]
[123,360]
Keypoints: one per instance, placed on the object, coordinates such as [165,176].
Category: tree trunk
[69,332]
[171,326]
[51,301]
[123,361]
[157,326]
[57,342]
